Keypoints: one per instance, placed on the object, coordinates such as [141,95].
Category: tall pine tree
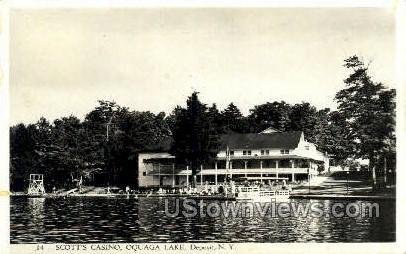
[369,111]
[195,136]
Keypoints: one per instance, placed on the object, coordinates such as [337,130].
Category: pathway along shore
[336,186]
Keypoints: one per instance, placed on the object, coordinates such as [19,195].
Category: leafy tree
[306,118]
[214,129]
[100,125]
[22,155]
[233,120]
[334,137]
[369,111]
[116,135]
[45,149]
[275,114]
[137,131]
[195,139]
[170,120]
[68,149]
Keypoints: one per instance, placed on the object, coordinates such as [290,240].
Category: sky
[63,60]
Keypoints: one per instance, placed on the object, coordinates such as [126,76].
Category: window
[267,152]
[144,173]
[246,152]
[262,152]
[284,151]
[231,153]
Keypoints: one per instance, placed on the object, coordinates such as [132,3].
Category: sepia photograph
[201,125]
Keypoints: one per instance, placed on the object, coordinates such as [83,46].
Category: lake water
[89,219]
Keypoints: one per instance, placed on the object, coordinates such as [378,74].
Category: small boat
[258,194]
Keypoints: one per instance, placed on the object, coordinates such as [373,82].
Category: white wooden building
[258,155]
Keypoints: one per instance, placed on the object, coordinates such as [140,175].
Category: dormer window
[264,152]
[284,151]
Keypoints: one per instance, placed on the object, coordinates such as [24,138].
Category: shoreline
[322,188]
[207,197]
[344,197]
[134,196]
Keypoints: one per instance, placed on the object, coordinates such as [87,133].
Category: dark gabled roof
[287,140]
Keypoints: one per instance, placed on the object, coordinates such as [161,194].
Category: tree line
[107,141]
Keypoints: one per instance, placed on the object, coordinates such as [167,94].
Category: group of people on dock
[225,189]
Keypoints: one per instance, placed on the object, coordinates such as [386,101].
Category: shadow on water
[89,219]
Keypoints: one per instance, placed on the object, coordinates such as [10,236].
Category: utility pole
[108,127]
[107,145]
[384,171]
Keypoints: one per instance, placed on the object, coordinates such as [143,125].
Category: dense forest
[107,140]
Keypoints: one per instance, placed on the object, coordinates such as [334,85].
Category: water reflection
[36,209]
[75,220]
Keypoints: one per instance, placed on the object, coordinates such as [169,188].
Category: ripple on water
[121,220]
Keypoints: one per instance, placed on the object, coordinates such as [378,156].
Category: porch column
[293,177]
[201,174]
[277,167]
[173,175]
[231,167]
[245,167]
[159,174]
[260,166]
[215,174]
[187,175]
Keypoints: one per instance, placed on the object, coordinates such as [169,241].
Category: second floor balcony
[241,167]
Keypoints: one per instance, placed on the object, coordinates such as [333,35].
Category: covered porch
[168,173]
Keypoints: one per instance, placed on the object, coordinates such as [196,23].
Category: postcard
[140,128]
